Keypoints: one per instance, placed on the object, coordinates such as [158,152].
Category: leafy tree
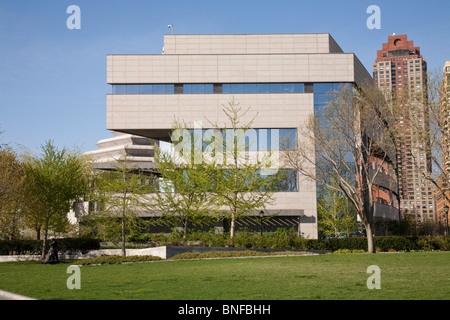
[336,216]
[11,193]
[184,195]
[53,182]
[239,179]
[121,194]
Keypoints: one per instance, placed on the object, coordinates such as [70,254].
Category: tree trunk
[370,246]
[124,252]
[44,242]
[232,225]
[185,227]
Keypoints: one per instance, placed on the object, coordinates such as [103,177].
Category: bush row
[286,240]
[114,259]
[67,245]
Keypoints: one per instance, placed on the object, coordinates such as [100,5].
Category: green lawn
[419,275]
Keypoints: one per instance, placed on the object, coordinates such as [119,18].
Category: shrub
[10,247]
[34,247]
[287,239]
[227,254]
[349,251]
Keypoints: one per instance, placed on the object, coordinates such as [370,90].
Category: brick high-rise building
[400,71]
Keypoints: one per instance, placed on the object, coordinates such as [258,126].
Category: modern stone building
[282,77]
[401,71]
[139,151]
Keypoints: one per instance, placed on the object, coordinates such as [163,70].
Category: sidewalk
[4,295]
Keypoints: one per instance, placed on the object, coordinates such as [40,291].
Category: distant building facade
[401,72]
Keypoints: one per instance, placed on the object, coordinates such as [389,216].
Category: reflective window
[276,88]
[146,89]
[119,89]
[262,88]
[209,88]
[169,88]
[132,89]
[197,88]
[330,87]
[289,88]
[285,180]
[299,87]
[288,139]
[322,98]
[249,87]
[226,88]
[323,87]
[159,89]
[237,88]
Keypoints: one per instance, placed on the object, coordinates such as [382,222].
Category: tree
[429,114]
[11,193]
[240,179]
[121,194]
[184,195]
[54,181]
[336,216]
[341,142]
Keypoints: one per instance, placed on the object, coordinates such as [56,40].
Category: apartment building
[401,71]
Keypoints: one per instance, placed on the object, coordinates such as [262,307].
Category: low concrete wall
[156,251]
[164,252]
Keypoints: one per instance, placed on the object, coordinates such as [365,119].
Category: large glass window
[249,87]
[262,88]
[132,89]
[119,89]
[237,88]
[198,88]
[227,88]
[323,87]
[276,88]
[169,88]
[159,89]
[286,180]
[146,89]
[288,139]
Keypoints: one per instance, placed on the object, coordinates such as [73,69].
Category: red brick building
[400,71]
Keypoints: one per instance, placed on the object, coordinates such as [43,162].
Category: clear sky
[53,79]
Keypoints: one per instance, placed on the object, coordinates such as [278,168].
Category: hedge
[34,247]
[278,240]
[248,240]
[382,243]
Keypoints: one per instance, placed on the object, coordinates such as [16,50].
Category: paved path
[4,295]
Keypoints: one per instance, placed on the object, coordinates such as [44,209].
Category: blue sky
[53,80]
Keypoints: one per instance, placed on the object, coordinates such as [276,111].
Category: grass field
[408,276]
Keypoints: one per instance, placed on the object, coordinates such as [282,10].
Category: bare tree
[345,146]
[429,124]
